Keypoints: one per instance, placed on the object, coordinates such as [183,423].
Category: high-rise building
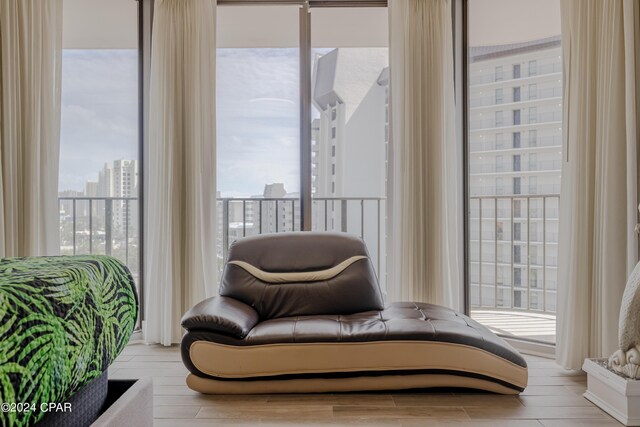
[67,206]
[105,181]
[119,179]
[515,156]
[277,215]
[273,211]
[91,189]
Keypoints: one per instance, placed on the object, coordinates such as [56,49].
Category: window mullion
[305,118]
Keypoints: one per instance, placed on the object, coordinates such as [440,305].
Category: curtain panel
[425,193]
[598,247]
[30,79]
[181,256]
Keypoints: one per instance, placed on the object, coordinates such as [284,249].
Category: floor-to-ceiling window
[99,140]
[514,154]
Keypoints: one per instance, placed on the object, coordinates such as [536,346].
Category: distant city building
[67,206]
[515,149]
[91,189]
[349,140]
[282,215]
[119,179]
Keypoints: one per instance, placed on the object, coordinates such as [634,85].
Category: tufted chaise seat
[303,312]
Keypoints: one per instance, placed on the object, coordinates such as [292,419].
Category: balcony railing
[110,226]
[513,252]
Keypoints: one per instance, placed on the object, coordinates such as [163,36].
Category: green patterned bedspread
[63,320]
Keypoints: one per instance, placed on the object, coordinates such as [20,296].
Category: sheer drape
[425,214]
[181,261]
[30,59]
[599,199]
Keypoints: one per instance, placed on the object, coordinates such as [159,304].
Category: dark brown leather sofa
[303,312]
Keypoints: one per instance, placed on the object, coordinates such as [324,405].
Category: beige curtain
[598,247]
[425,213]
[30,59]
[181,260]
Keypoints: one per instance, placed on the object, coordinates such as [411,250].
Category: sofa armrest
[222,315]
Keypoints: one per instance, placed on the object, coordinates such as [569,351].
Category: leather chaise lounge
[303,312]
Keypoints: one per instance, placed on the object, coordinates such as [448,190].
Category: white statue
[626,360]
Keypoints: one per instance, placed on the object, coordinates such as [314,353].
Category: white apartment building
[272,212]
[515,156]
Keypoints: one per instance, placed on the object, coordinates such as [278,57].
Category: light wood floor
[553,399]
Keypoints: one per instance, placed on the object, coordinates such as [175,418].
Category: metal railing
[109,225]
[100,225]
[507,234]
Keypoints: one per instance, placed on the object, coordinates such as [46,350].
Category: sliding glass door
[514,155]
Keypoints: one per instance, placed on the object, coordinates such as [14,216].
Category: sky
[99,113]
[512,21]
[257,117]
[257,120]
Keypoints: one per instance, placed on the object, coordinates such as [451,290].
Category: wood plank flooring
[554,399]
